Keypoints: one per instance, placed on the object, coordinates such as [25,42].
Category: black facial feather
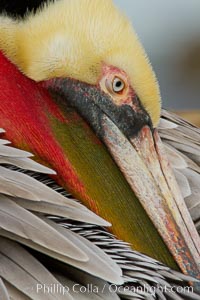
[19,8]
[92,104]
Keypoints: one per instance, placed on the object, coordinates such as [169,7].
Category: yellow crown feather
[71,38]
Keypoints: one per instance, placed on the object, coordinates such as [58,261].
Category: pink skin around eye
[121,98]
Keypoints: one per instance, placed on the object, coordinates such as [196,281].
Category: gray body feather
[182,141]
[49,241]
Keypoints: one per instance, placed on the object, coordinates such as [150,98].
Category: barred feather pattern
[49,241]
[182,143]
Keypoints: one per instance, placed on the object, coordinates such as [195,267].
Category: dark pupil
[118,84]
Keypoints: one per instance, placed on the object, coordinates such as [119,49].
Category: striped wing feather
[182,141]
[49,239]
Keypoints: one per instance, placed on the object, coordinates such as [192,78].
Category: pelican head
[88,53]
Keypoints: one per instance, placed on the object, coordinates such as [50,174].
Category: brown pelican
[64,67]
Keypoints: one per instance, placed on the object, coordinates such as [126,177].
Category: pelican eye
[118,85]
